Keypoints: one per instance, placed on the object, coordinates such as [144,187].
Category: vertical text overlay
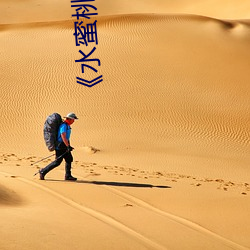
[84,35]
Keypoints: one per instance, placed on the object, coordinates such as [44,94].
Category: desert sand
[162,144]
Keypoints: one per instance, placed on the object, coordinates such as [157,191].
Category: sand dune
[199,110]
[162,144]
[45,10]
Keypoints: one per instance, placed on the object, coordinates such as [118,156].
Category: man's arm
[66,142]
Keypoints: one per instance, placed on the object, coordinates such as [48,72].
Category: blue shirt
[64,128]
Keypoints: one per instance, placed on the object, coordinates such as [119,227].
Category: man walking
[63,150]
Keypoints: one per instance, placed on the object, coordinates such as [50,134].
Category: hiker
[63,149]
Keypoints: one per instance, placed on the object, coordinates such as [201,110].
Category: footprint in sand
[128,205]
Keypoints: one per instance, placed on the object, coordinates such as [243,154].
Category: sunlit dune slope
[175,88]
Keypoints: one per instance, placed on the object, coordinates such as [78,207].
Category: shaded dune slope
[9,197]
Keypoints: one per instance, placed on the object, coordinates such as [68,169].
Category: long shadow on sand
[122,184]
[114,183]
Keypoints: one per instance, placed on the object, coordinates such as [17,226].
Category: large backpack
[50,130]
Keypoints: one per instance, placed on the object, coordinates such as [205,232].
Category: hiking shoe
[70,178]
[41,175]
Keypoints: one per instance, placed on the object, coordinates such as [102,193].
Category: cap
[71,116]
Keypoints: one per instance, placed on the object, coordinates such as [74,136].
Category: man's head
[70,118]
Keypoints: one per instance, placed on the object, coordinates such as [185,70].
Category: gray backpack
[50,130]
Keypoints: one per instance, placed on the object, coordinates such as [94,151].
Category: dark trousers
[67,156]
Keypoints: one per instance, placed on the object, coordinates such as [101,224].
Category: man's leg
[52,165]
[68,160]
